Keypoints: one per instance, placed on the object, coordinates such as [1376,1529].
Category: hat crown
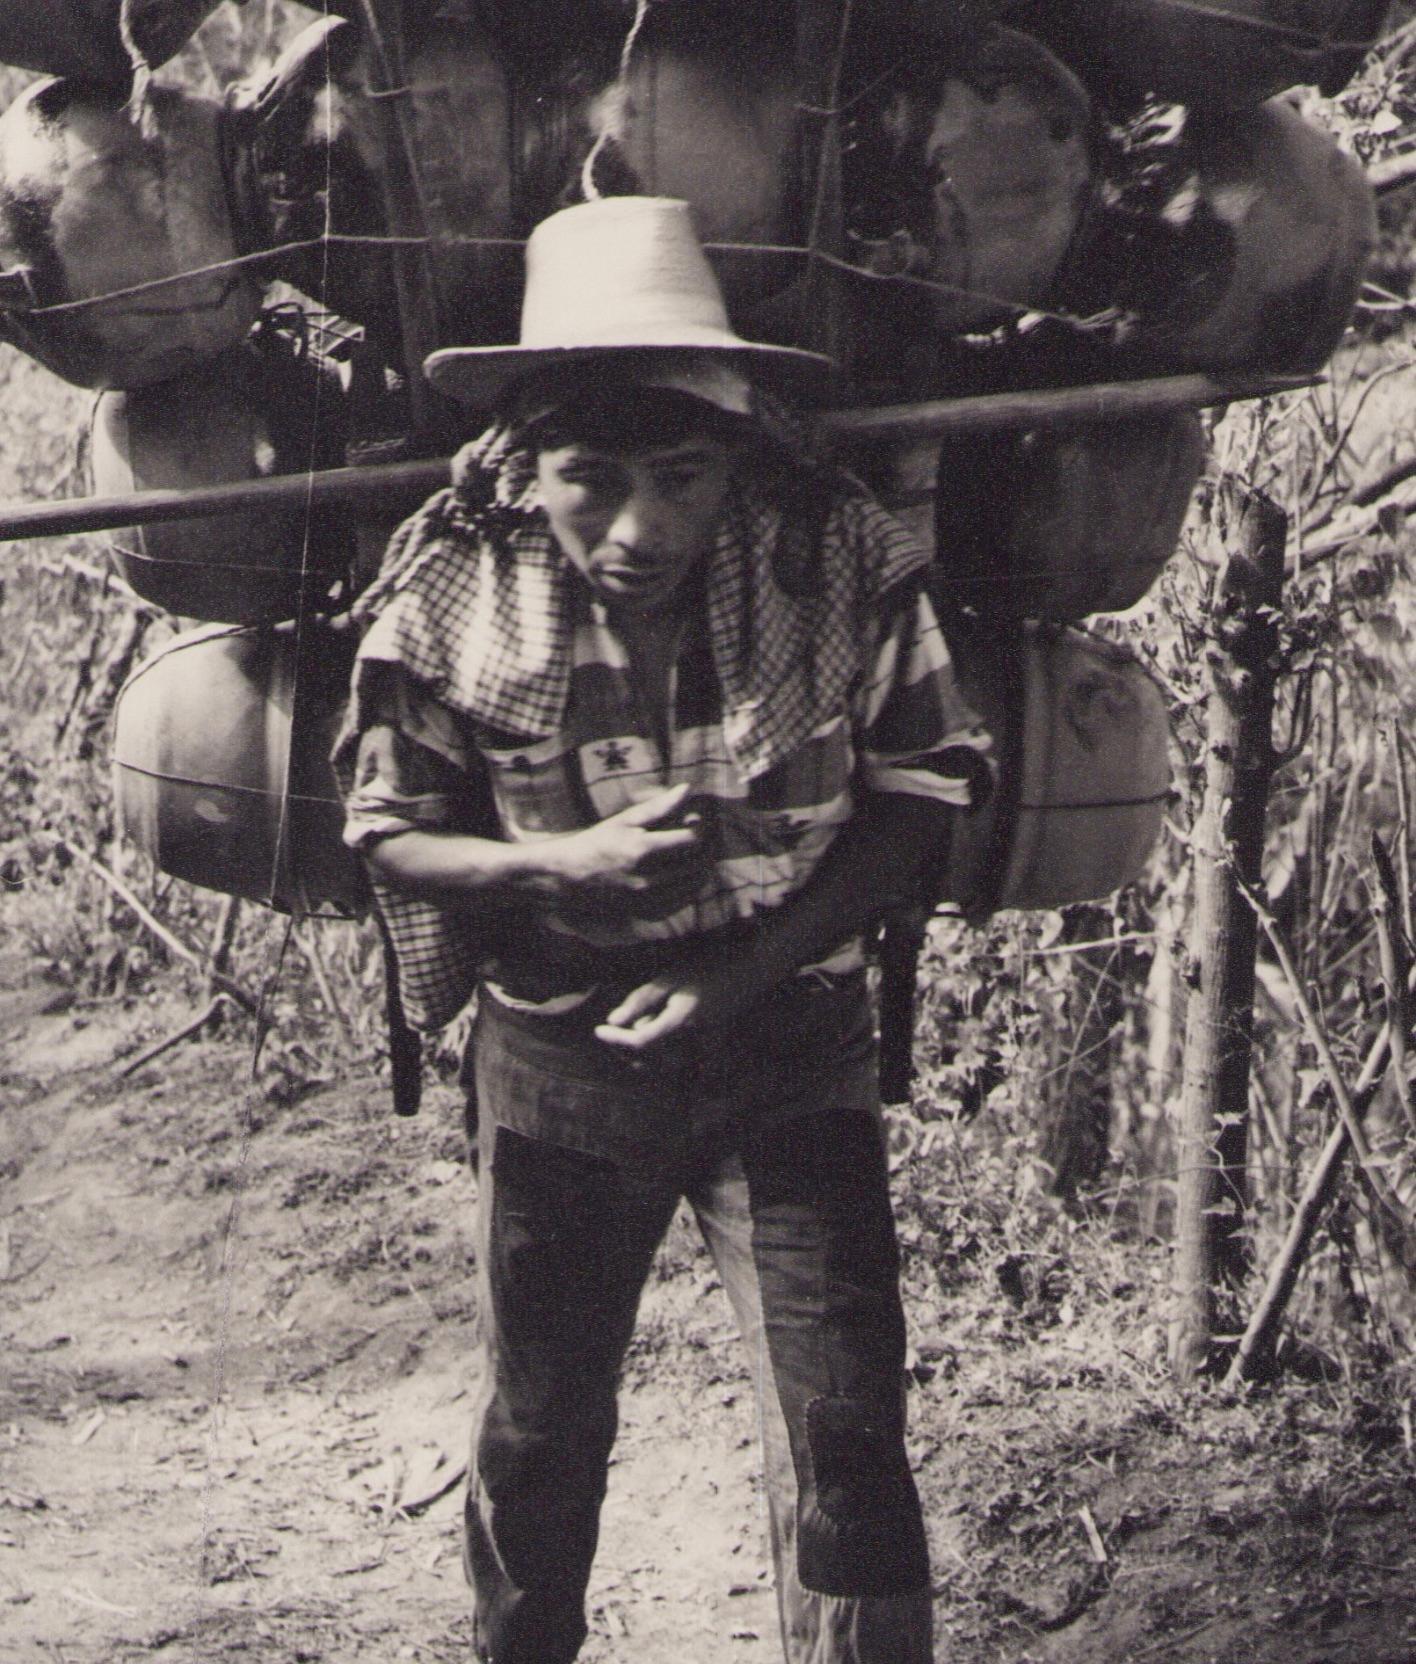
[621,271]
[624,278]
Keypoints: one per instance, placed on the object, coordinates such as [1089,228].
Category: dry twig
[1394,952]
[1317,1036]
[1257,1343]
[169,939]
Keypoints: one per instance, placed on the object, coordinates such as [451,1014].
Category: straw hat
[625,279]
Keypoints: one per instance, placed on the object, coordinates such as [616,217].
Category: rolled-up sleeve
[413,768]
[916,733]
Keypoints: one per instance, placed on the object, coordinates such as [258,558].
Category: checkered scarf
[473,600]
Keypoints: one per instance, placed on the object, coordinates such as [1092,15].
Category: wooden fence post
[1211,1246]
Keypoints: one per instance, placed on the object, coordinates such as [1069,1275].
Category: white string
[589,189]
[231,1235]
[957,291]
[316,417]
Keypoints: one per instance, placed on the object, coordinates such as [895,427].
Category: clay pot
[221,749]
[1082,739]
[1300,221]
[95,201]
[1223,54]
[1061,525]
[996,148]
[999,153]
[715,125]
[81,38]
[251,413]
[501,143]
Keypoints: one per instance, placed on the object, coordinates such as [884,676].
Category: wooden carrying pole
[381,483]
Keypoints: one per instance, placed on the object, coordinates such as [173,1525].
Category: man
[652,722]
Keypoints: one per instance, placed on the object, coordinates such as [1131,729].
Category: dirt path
[309,1275]
[238,1361]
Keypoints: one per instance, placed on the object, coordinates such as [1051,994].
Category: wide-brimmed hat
[624,279]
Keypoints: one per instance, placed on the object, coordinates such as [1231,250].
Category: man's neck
[654,624]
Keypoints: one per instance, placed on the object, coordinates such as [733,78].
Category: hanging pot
[501,143]
[260,409]
[1082,740]
[1224,54]
[221,749]
[95,201]
[1061,525]
[713,123]
[82,38]
[986,167]
[969,173]
[1296,220]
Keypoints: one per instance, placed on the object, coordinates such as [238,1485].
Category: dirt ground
[239,1358]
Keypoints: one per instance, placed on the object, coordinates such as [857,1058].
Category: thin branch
[1317,1037]
[1394,953]
[1403,830]
[1256,1346]
[308,944]
[1392,173]
[1368,493]
[169,939]
[176,1038]
[1338,447]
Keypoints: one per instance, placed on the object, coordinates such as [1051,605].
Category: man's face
[635,524]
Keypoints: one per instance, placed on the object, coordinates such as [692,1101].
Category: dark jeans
[774,1139]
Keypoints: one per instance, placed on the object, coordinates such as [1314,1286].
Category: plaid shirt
[492,696]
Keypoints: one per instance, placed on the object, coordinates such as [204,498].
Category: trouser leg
[565,1243]
[801,1230]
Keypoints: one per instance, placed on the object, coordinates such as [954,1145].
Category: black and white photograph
[707,837]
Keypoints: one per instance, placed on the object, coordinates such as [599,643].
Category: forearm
[618,866]
[872,866]
[454,867]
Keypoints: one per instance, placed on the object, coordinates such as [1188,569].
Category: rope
[1020,309]
[263,1021]
[821,307]
[588,188]
[139,103]
[287,797]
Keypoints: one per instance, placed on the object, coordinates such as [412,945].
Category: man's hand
[670,1005]
[628,860]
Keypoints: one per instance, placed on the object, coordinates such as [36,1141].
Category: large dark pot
[257,410]
[1062,525]
[221,749]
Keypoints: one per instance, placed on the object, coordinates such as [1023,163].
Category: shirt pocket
[537,788]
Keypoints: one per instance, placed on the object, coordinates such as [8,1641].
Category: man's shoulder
[868,548]
[443,560]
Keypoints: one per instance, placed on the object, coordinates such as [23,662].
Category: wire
[347,239]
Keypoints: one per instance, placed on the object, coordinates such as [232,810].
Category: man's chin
[636,592]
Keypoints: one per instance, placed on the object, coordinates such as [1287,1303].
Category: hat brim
[483,376]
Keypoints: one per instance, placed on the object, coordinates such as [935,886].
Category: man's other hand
[670,1005]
